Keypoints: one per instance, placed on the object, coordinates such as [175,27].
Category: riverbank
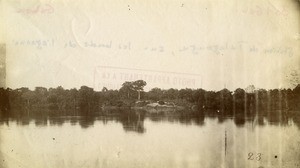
[148,106]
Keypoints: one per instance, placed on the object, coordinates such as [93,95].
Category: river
[148,141]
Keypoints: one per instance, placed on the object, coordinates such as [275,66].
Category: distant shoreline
[132,96]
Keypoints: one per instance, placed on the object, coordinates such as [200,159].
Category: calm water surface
[133,140]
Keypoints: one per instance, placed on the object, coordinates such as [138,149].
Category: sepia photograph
[150,84]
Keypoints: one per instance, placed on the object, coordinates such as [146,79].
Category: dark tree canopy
[87,99]
[135,86]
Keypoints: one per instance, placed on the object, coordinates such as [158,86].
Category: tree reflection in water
[133,120]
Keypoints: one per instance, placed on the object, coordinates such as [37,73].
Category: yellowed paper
[213,44]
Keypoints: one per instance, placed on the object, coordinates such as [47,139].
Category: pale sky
[228,43]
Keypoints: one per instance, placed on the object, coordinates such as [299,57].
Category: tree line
[87,99]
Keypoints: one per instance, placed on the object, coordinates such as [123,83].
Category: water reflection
[121,138]
[133,120]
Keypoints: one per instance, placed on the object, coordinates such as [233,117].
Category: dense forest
[249,100]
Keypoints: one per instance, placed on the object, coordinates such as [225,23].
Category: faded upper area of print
[2,65]
[228,44]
